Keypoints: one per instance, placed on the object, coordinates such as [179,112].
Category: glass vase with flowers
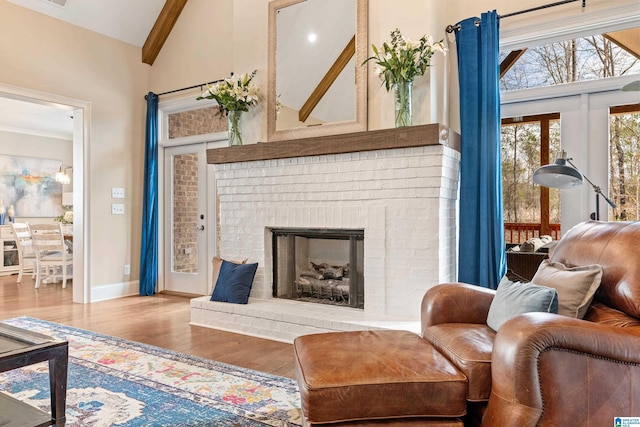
[234,96]
[399,62]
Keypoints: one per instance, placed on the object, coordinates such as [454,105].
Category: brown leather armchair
[544,369]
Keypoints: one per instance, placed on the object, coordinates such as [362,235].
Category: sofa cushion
[364,375]
[513,298]
[605,315]
[234,282]
[576,286]
[468,346]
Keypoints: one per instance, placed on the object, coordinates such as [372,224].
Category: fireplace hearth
[319,265]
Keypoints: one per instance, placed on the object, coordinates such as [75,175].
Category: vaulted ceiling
[142,23]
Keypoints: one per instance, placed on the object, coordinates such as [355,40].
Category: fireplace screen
[319,265]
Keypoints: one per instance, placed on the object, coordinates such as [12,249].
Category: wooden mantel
[412,136]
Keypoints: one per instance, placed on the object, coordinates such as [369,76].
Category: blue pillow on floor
[234,282]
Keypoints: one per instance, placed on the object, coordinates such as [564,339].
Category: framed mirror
[317,84]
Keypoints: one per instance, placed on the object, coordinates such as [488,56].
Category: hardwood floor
[160,320]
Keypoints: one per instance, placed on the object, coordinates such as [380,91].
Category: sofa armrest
[555,370]
[455,303]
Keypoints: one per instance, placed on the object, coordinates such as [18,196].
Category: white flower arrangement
[236,93]
[66,217]
[401,60]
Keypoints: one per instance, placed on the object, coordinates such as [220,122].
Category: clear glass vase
[402,92]
[233,119]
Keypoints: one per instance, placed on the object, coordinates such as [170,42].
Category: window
[600,136]
[581,59]
[526,144]
[624,162]
[196,122]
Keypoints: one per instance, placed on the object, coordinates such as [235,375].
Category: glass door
[185,252]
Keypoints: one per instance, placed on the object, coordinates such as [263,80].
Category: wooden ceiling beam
[511,59]
[328,79]
[161,30]
[628,40]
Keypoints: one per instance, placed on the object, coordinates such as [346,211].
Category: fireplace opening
[319,265]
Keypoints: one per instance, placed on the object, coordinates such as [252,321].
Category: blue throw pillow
[234,282]
[516,298]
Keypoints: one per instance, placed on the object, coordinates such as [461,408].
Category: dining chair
[52,258]
[26,252]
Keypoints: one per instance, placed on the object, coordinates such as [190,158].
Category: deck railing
[518,232]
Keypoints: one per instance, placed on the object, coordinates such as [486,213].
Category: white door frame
[81,208]
[211,140]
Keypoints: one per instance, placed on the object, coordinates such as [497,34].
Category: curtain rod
[187,88]
[452,28]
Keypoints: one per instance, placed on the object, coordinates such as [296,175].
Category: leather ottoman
[384,377]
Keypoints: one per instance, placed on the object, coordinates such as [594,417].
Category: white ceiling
[129,21]
[35,119]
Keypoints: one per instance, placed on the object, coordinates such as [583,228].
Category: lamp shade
[558,175]
[62,176]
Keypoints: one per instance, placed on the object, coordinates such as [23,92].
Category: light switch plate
[117,209]
[117,193]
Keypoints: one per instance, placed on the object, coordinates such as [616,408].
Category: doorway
[185,225]
[81,112]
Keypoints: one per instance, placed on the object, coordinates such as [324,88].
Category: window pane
[185,213]
[624,164]
[520,150]
[582,59]
[196,122]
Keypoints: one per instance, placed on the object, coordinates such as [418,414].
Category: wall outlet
[117,209]
[127,269]
[117,193]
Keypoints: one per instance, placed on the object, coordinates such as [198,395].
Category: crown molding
[44,134]
[547,28]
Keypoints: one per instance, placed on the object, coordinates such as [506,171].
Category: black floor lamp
[560,175]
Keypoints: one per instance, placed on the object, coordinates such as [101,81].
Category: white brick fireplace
[403,198]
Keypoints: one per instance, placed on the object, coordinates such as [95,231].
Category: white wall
[198,50]
[44,54]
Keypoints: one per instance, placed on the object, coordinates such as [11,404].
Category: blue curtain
[149,241]
[482,258]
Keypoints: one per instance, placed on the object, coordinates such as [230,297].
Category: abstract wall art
[28,183]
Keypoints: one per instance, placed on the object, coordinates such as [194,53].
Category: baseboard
[114,290]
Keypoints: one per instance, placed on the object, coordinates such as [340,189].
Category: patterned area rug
[114,382]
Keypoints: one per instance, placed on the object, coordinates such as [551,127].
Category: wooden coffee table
[18,348]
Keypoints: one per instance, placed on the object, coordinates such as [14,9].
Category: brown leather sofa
[544,369]
[540,369]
